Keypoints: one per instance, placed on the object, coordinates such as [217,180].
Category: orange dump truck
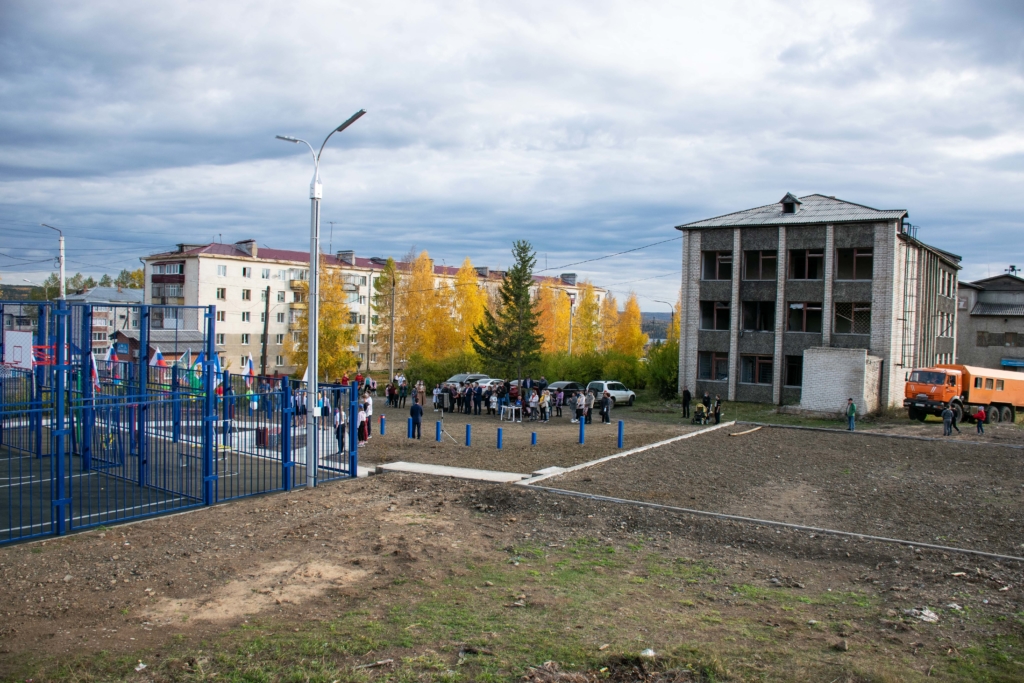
[964,388]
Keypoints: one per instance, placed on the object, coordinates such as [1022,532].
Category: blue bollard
[499,438]
[533,439]
[409,435]
[469,435]
[621,432]
[439,430]
[383,423]
[583,422]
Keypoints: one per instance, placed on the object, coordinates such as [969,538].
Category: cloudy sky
[587,128]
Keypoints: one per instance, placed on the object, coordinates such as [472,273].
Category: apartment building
[991,323]
[114,309]
[259,299]
[813,300]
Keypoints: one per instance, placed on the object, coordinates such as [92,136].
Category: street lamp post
[312,355]
[60,258]
[572,311]
[671,315]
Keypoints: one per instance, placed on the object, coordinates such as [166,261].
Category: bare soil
[942,492]
[557,440]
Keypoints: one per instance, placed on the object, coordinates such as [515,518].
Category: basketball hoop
[44,355]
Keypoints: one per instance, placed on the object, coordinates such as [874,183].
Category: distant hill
[15,292]
[655,325]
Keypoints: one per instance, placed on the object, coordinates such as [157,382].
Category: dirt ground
[437,579]
[557,440]
[942,492]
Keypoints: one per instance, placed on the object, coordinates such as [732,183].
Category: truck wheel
[1006,414]
[992,415]
[912,413]
[958,414]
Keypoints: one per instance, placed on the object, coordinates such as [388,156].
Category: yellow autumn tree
[416,309]
[609,322]
[672,333]
[337,335]
[469,301]
[586,320]
[553,305]
[629,335]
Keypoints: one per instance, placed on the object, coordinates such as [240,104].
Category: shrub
[663,368]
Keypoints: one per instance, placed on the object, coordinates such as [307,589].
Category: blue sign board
[1013,363]
[121,348]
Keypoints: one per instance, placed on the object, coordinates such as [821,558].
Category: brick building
[990,323]
[769,292]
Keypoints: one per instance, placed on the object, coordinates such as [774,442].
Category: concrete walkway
[456,472]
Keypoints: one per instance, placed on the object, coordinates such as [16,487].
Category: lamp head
[352,119]
[287,138]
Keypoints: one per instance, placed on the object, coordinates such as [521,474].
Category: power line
[618,253]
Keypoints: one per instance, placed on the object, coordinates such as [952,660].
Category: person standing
[955,420]
[369,415]
[706,400]
[718,409]
[478,397]
[361,425]
[339,428]
[947,421]
[979,419]
[851,415]
[589,403]
[403,391]
[559,400]
[687,397]
[606,409]
[416,413]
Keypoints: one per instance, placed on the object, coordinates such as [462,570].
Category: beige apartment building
[259,298]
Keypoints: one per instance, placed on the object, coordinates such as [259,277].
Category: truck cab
[930,390]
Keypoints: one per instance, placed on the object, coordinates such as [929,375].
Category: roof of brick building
[814,208]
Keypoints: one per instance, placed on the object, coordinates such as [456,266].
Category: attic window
[790,203]
[788,207]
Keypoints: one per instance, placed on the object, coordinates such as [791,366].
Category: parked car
[464,377]
[618,391]
[489,382]
[566,386]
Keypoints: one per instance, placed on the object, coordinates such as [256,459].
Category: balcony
[299,305]
[296,325]
[298,284]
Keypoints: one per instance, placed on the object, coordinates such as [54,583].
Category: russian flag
[94,372]
[112,361]
[250,371]
[158,359]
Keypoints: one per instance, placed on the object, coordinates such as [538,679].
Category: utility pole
[313,350]
[572,312]
[60,258]
[369,319]
[391,349]
[266,331]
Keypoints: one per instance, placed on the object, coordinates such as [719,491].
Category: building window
[296,297]
[282,275]
[246,295]
[804,317]
[169,269]
[246,272]
[988,383]
[263,295]
[806,264]
[221,316]
[362,339]
[222,271]
[1009,339]
[96,336]
[717,265]
[999,385]
[373,358]
[265,273]
[714,315]
[263,317]
[280,297]
[157,290]
[245,340]
[295,336]
[794,371]
[946,324]
[362,320]
[362,300]
[220,339]
[760,265]
[712,366]
[854,264]
[280,317]
[222,293]
[759,316]
[374,319]
[278,361]
[853,318]
[756,369]
[279,339]
[353,318]
[245,316]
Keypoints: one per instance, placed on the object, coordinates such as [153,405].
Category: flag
[158,359]
[112,361]
[94,372]
[217,372]
[249,371]
[195,371]
[305,375]
[186,360]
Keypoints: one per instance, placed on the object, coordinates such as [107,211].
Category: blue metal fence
[88,440]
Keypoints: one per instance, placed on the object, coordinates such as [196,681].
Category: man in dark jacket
[687,397]
[606,408]
[416,413]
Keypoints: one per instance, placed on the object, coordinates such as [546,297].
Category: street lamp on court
[312,356]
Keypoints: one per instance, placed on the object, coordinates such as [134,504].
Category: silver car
[617,390]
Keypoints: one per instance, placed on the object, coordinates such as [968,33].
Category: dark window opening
[804,317]
[794,371]
[760,265]
[714,315]
[717,265]
[806,264]
[712,366]
[756,369]
[853,318]
[759,316]
[854,264]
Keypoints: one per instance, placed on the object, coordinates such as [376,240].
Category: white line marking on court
[623,454]
[111,518]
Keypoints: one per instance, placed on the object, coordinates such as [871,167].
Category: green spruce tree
[507,340]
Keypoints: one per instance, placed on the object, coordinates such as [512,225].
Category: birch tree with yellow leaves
[629,337]
[609,324]
[469,301]
[554,307]
[585,334]
[336,334]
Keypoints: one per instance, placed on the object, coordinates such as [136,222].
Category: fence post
[88,389]
[286,435]
[209,411]
[533,439]
[227,408]
[383,425]
[39,374]
[60,433]
[499,438]
[583,422]
[353,424]
[175,406]
[621,430]
[438,436]
[408,434]
[143,405]
[469,435]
